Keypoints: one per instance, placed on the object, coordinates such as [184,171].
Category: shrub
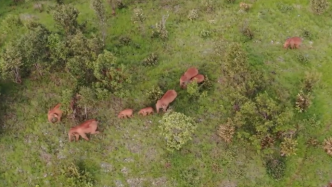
[247,31]
[193,89]
[245,6]
[160,30]
[190,176]
[284,7]
[87,100]
[312,142]
[138,16]
[303,101]
[318,6]
[208,5]
[76,177]
[230,1]
[205,33]
[307,34]
[66,97]
[327,145]
[154,94]
[177,129]
[193,14]
[124,40]
[66,17]
[310,80]
[207,84]
[226,131]
[266,142]
[276,168]
[109,73]
[303,58]
[151,60]
[288,147]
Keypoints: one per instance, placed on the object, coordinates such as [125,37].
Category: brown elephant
[198,78]
[185,78]
[168,97]
[126,113]
[293,42]
[54,114]
[146,111]
[88,127]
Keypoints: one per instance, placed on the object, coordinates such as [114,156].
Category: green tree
[82,52]
[109,73]
[98,6]
[66,17]
[33,46]
[11,28]
[58,50]
[11,63]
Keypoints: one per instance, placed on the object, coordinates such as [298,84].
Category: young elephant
[293,42]
[198,78]
[185,78]
[88,127]
[54,114]
[146,111]
[168,97]
[126,113]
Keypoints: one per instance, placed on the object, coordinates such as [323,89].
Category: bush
[193,89]
[230,1]
[138,16]
[154,94]
[177,129]
[66,97]
[318,6]
[151,60]
[205,33]
[307,34]
[76,177]
[208,5]
[247,31]
[276,168]
[327,145]
[284,7]
[313,142]
[303,101]
[245,6]
[109,73]
[226,131]
[190,176]
[288,147]
[160,30]
[310,80]
[303,58]
[193,14]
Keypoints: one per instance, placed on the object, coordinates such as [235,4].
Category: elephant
[168,97]
[293,42]
[146,111]
[126,113]
[88,127]
[198,78]
[185,78]
[54,114]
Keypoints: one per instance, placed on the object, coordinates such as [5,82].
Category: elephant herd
[90,126]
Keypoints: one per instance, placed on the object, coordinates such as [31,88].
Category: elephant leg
[84,136]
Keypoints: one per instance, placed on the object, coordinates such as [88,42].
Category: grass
[132,152]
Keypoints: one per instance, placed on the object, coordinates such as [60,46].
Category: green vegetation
[261,117]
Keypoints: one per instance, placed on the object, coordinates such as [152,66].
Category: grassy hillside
[132,152]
